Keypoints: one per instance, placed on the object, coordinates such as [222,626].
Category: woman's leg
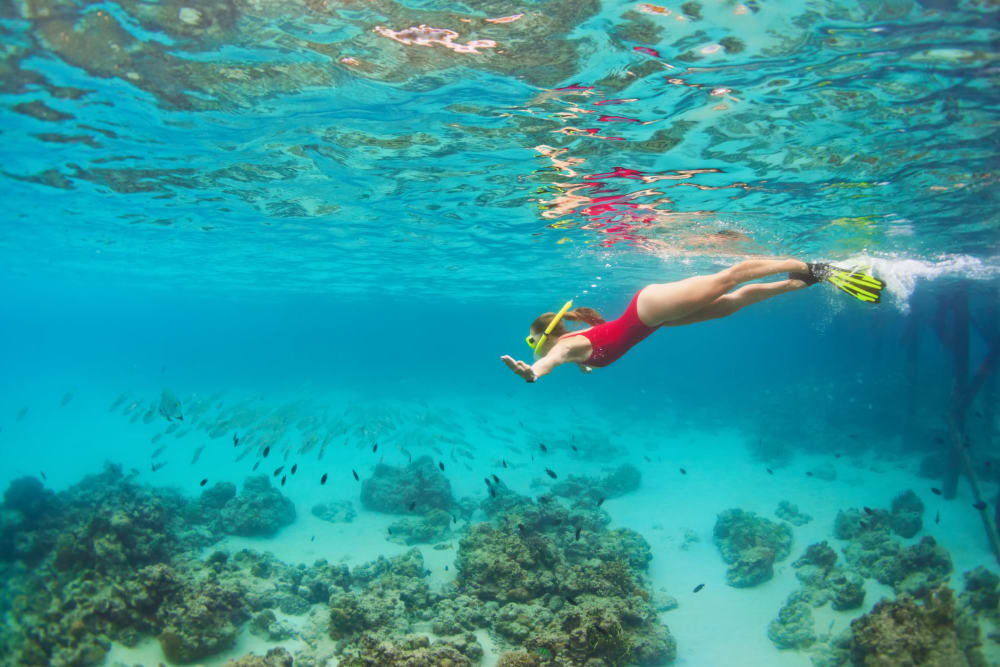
[727,304]
[663,303]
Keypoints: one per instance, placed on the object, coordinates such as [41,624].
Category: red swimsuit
[613,339]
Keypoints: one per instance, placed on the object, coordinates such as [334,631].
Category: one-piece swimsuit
[609,341]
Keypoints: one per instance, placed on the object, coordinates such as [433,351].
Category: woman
[674,304]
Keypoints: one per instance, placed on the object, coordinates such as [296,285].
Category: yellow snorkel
[552,325]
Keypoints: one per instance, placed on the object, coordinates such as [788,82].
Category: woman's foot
[817,272]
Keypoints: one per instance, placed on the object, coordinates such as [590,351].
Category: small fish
[204,482]
[936,492]
[67,397]
[578,529]
[769,471]
[698,588]
[937,517]
[809,474]
[648,460]
[412,505]
[453,519]
[356,478]
[556,522]
[496,479]
[23,411]
[939,440]
[445,568]
[987,463]
[390,530]
[277,471]
[853,436]
[574,448]
[683,471]
[550,473]
[158,451]
[869,510]
[980,505]
[493,492]
[374,448]
[170,407]
[487,480]
[504,462]
[295,466]
[544,448]
[236,440]
[254,469]
[600,502]
[283,477]
[521,528]
[312,539]
[157,466]
[322,480]
[441,465]
[42,473]
[837,455]
[197,455]
[267,450]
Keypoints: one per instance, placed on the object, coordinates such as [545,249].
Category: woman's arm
[556,356]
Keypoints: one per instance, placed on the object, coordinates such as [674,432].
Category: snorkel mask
[530,340]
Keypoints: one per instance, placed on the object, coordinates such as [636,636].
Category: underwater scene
[331,333]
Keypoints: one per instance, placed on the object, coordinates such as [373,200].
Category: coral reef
[259,510]
[906,514]
[276,657]
[623,479]
[791,514]
[793,628]
[335,512]
[751,545]
[418,487]
[573,600]
[431,527]
[981,592]
[413,651]
[903,632]
[101,562]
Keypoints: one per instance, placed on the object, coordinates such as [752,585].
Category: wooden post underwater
[952,325]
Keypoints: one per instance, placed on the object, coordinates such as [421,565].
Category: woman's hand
[519,367]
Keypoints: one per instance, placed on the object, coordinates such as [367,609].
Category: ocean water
[258,259]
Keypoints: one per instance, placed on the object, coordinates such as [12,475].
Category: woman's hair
[586,315]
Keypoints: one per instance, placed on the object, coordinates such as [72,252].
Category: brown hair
[586,315]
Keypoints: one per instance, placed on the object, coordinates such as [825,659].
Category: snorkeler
[687,301]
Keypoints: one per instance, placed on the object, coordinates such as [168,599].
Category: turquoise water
[319,225]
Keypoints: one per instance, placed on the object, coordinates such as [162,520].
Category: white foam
[902,274]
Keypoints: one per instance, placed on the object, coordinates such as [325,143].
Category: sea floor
[674,511]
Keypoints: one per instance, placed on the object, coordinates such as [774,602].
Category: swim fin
[859,283]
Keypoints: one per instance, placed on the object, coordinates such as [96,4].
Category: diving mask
[536,346]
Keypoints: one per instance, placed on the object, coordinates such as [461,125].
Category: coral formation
[907,514]
[418,487]
[276,657]
[751,545]
[793,628]
[335,512]
[903,632]
[431,527]
[259,510]
[574,600]
[623,479]
[791,514]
